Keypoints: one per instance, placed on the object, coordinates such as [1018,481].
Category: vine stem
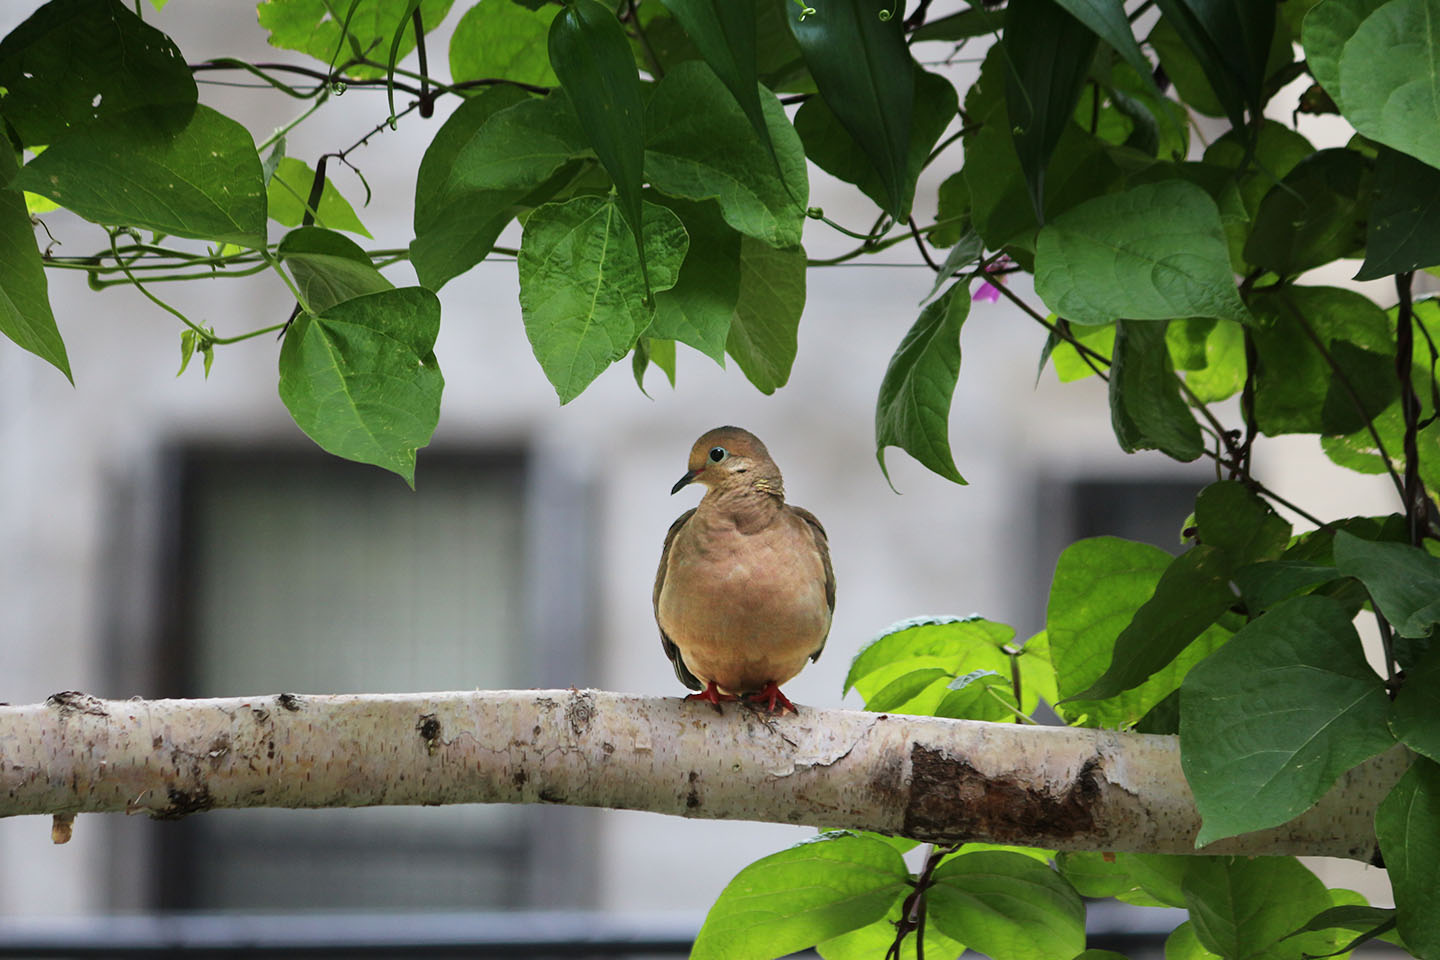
[1086,353]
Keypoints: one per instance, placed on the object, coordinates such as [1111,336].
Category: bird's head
[729,457]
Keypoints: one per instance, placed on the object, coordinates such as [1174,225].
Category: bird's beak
[689,476]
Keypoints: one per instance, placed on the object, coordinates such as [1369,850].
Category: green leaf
[1069,364]
[288,190]
[1233,518]
[724,32]
[1184,70]
[975,22]
[659,352]
[591,56]
[1388,71]
[1146,411]
[312,27]
[1223,374]
[1149,253]
[762,336]
[1007,906]
[863,69]
[1403,580]
[361,378]
[25,315]
[328,268]
[979,695]
[1099,586]
[829,144]
[1323,34]
[903,689]
[1106,18]
[701,147]
[873,940]
[1350,917]
[1049,53]
[955,643]
[581,290]
[1315,215]
[1273,718]
[138,169]
[1416,718]
[796,898]
[1296,389]
[1231,40]
[1408,828]
[1239,907]
[1191,595]
[500,38]
[699,308]
[490,155]
[76,61]
[1150,879]
[913,409]
[1405,205]
[1183,944]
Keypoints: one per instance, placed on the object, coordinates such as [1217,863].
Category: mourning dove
[745,591]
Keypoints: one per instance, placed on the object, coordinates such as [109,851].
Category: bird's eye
[717,454]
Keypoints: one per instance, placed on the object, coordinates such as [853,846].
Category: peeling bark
[927,778]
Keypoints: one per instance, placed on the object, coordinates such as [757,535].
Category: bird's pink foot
[772,698]
[712,695]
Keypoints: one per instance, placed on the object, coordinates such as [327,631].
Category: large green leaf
[1403,580]
[1408,828]
[829,144]
[913,409]
[1326,29]
[1049,52]
[137,169]
[1240,907]
[501,38]
[591,56]
[1416,719]
[796,898]
[1315,215]
[873,940]
[698,310]
[1273,718]
[581,291]
[75,61]
[489,155]
[857,54]
[955,644]
[361,378]
[1405,206]
[1233,518]
[25,315]
[313,27]
[1390,77]
[701,147]
[1146,411]
[1191,595]
[289,190]
[1007,906]
[1296,388]
[328,268]
[1107,19]
[724,32]
[763,331]
[1099,586]
[1232,41]
[1149,253]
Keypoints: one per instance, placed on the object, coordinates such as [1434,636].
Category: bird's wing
[672,651]
[822,544]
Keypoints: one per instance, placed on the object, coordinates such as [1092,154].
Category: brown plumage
[745,590]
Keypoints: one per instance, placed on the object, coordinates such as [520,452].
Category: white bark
[926,778]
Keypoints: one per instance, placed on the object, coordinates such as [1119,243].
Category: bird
[745,592]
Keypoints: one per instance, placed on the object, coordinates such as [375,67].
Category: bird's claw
[773,700]
[712,695]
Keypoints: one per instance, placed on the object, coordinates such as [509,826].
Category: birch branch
[922,777]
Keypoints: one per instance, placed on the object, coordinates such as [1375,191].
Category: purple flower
[988,290]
